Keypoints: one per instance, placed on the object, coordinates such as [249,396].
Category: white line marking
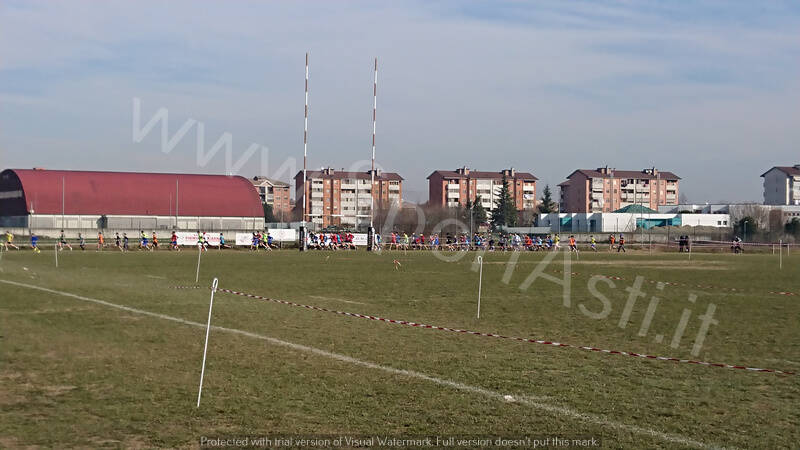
[335,299]
[527,400]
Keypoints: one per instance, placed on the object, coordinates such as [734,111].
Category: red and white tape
[499,336]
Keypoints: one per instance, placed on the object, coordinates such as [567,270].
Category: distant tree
[504,212]
[746,226]
[683,199]
[793,227]
[269,217]
[547,205]
[478,211]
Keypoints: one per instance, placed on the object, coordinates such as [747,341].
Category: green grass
[79,374]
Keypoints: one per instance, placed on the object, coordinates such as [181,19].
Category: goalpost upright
[303,230]
[371,231]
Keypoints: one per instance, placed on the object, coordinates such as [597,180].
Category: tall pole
[305,160]
[62,203]
[374,116]
[176,203]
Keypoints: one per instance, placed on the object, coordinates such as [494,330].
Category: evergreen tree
[547,205]
[478,211]
[269,217]
[505,212]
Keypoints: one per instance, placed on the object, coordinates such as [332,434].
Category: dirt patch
[659,264]
[57,390]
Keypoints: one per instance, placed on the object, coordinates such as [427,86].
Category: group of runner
[259,240]
[122,243]
[332,241]
[504,242]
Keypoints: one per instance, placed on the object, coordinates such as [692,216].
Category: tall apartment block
[344,198]
[274,193]
[451,188]
[607,189]
[782,185]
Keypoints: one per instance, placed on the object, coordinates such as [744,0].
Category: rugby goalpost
[305,213]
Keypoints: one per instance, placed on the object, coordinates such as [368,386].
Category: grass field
[78,373]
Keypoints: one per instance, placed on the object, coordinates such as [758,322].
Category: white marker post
[55,247]
[197,274]
[480,281]
[780,254]
[205,348]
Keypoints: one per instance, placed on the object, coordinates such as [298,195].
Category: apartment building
[608,189]
[274,193]
[343,198]
[782,185]
[451,188]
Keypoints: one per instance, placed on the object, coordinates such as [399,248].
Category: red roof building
[27,191]
[451,188]
[608,189]
[344,198]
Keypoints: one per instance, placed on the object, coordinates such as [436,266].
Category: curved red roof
[126,193]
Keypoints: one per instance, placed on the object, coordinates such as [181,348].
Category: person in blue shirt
[35,243]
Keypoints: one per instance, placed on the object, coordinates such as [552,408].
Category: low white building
[627,222]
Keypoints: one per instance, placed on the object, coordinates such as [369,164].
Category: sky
[709,90]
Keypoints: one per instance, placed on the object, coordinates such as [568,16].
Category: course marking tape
[500,336]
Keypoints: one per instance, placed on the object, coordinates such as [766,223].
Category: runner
[100,241]
[143,241]
[62,242]
[155,241]
[610,242]
[254,240]
[267,240]
[201,245]
[9,241]
[737,245]
[125,242]
[35,243]
[117,242]
[593,243]
[573,247]
[173,242]
[81,242]
[206,241]
[222,242]
[621,246]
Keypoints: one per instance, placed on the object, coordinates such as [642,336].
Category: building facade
[453,188]
[782,185]
[345,199]
[47,201]
[627,222]
[274,193]
[607,189]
